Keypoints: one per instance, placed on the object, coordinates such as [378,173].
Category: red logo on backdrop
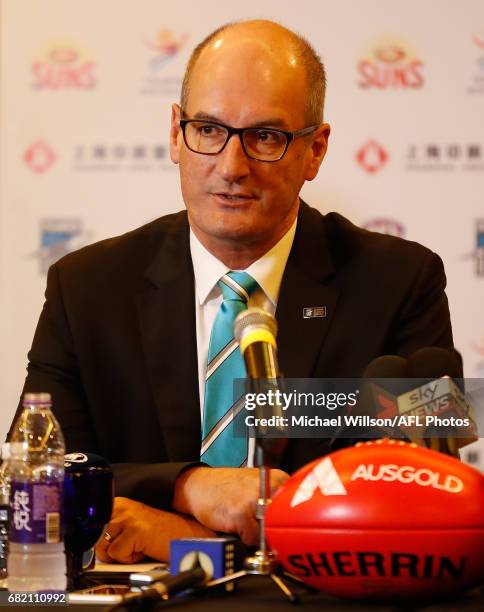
[390,65]
[385,226]
[479,349]
[372,156]
[39,157]
[64,67]
[479,40]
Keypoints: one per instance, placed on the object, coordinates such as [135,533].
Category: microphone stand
[263,562]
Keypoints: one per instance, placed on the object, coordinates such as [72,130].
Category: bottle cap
[37,398]
[18,448]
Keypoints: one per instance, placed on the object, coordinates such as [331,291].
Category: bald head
[270,50]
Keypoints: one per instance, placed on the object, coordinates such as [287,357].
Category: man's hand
[223,499]
[138,530]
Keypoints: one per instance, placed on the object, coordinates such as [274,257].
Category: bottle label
[36,512]
[3,539]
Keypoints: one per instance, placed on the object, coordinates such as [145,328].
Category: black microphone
[390,372]
[386,366]
[439,398]
[255,330]
[383,380]
[88,504]
[434,362]
[162,590]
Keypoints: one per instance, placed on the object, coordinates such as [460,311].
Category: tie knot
[237,286]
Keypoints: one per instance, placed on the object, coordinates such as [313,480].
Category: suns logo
[63,65]
[390,64]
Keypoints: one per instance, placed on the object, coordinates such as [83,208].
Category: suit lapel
[168,329]
[307,283]
[167,321]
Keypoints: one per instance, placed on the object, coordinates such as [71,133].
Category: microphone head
[88,500]
[387,372]
[254,319]
[431,364]
[386,366]
[434,362]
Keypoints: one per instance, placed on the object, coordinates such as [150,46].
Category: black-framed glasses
[261,143]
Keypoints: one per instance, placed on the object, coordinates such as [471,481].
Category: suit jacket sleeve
[424,318]
[53,367]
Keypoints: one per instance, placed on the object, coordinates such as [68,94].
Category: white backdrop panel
[85,98]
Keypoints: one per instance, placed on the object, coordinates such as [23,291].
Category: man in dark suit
[120,342]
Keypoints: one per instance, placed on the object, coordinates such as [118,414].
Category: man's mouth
[234,198]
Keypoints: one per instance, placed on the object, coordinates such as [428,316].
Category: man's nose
[232,162]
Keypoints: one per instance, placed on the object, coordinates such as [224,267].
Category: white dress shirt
[208,270]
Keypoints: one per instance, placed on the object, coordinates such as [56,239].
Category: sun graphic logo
[39,157]
[63,65]
[372,156]
[166,46]
[478,40]
[390,64]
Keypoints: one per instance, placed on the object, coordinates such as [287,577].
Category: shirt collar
[267,270]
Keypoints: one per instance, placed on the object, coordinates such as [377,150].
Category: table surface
[260,594]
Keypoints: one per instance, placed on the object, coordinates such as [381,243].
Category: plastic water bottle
[36,560]
[4,513]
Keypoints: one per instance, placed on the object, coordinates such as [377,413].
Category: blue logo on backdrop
[478,253]
[59,236]
[476,84]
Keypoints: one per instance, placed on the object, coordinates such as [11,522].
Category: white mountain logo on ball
[323,477]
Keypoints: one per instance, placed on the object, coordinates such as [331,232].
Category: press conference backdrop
[85,98]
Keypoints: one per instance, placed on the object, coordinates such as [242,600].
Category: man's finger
[278,478]
[111,532]
[249,533]
[102,555]
[123,548]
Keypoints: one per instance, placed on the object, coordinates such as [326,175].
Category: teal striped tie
[224,363]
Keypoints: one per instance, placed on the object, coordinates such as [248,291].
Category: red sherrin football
[380,520]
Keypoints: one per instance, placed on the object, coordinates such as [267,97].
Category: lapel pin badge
[314,312]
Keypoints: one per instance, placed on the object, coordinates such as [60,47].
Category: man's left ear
[319,147]
[175,133]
